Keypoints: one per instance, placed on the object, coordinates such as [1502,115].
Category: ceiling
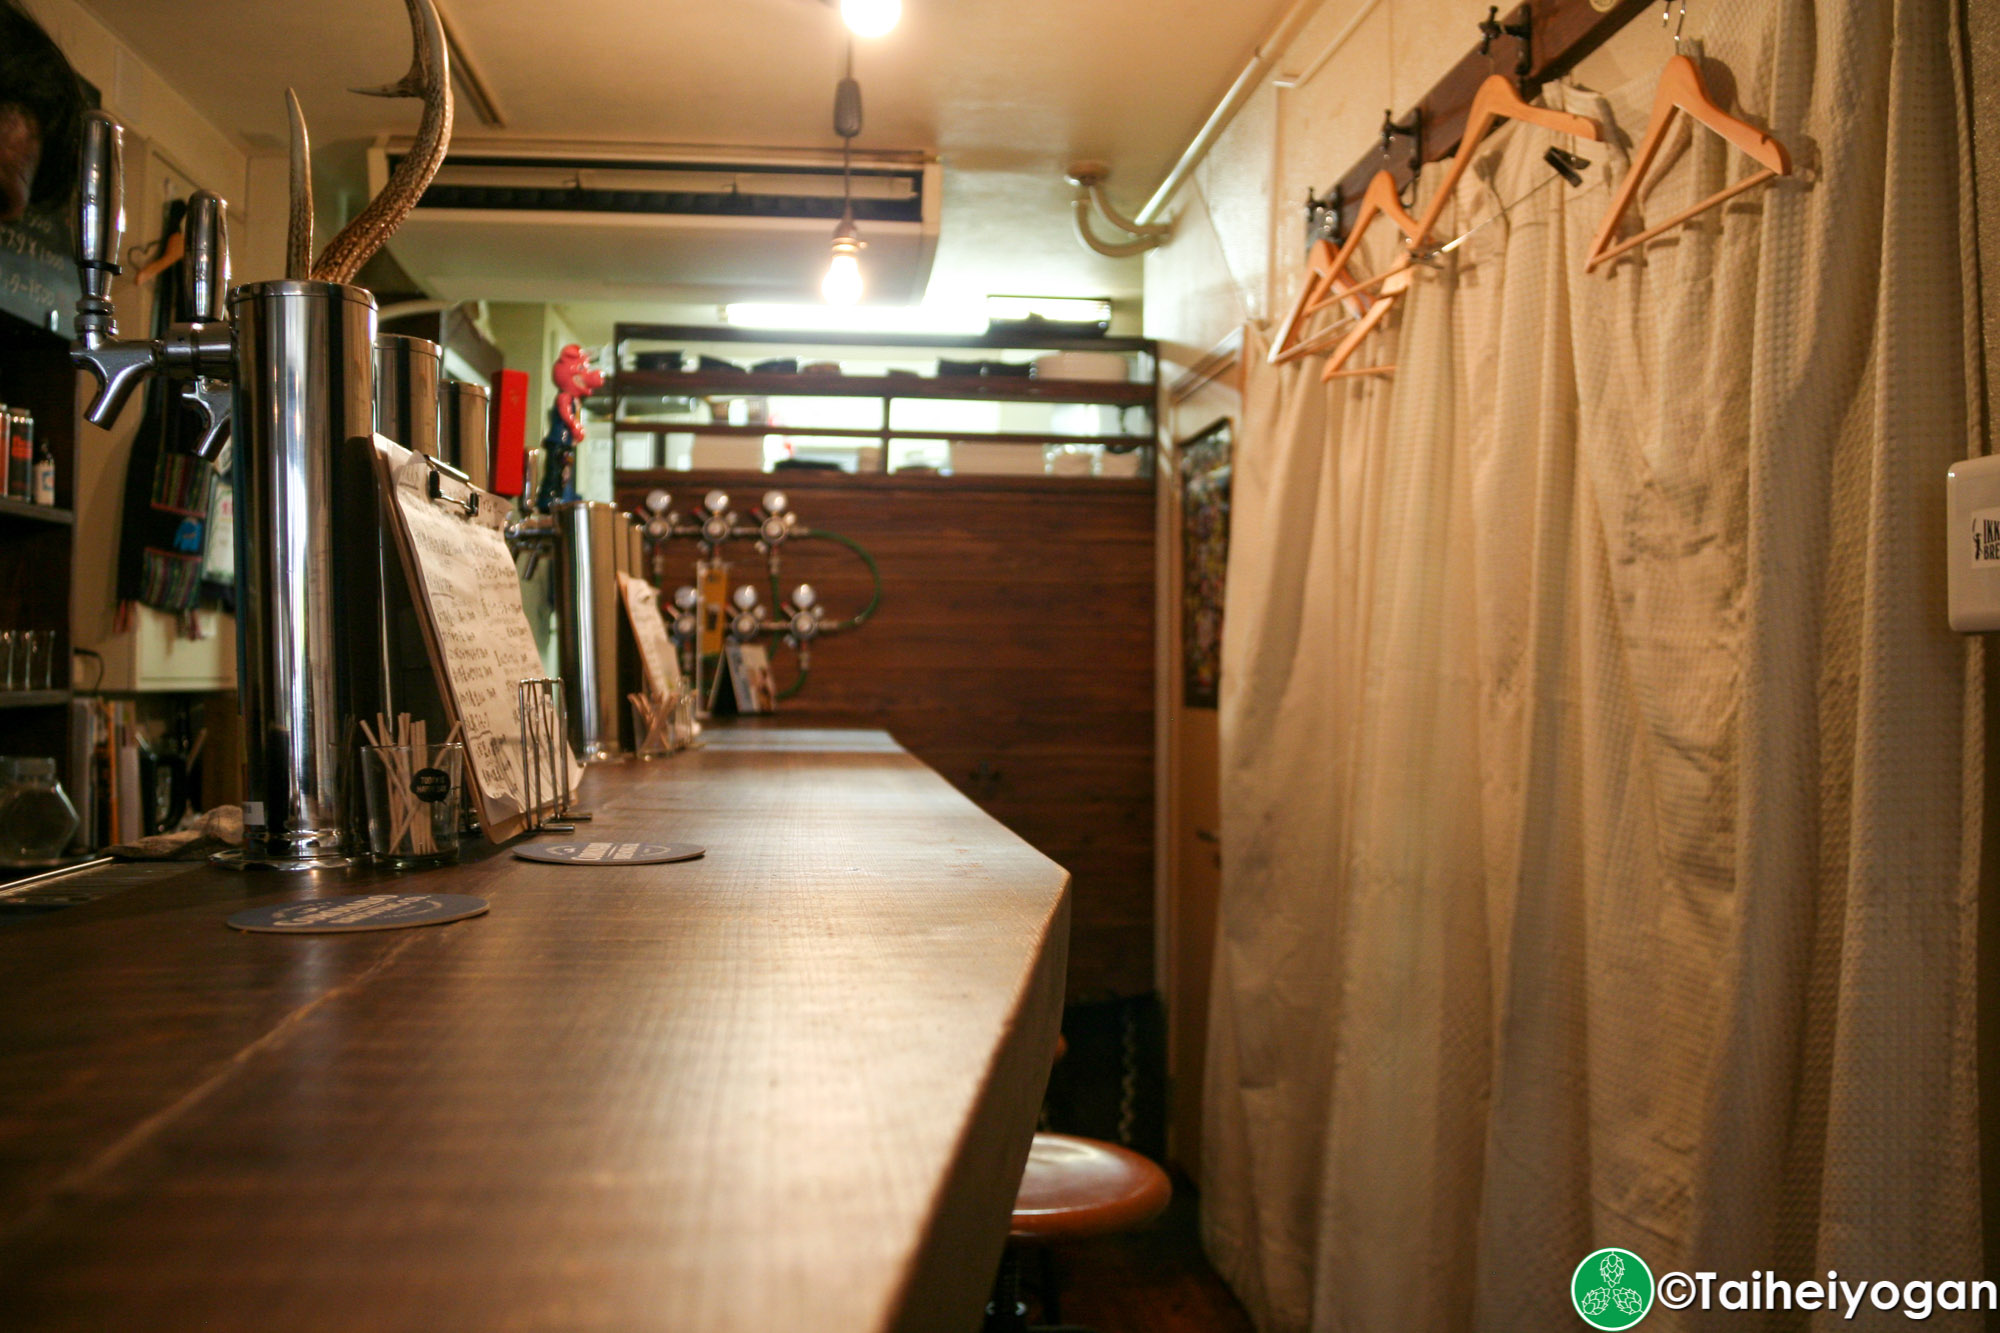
[1005,92]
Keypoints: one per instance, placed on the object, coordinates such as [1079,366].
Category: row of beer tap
[292,383]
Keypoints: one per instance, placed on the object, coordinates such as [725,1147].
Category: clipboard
[657,658]
[451,536]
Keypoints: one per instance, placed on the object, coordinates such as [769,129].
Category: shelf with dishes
[683,398]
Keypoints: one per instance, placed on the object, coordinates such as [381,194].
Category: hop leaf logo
[1612,1289]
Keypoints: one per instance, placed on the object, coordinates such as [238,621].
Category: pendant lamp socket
[842,284]
[847,109]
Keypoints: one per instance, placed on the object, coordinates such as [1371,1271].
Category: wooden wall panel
[1013,653]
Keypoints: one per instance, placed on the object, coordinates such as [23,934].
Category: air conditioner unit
[572,222]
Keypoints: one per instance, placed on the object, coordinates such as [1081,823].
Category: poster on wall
[1204,471]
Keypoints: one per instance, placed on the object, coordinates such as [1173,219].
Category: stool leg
[1051,1293]
[1006,1312]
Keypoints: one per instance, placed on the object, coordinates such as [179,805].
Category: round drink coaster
[608,853]
[358,911]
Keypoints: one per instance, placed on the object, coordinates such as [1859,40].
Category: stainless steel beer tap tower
[297,357]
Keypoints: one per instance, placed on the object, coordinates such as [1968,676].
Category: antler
[299,230]
[430,79]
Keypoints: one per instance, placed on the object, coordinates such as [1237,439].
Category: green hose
[874,570]
[853,622]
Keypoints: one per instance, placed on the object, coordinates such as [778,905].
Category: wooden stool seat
[1075,1188]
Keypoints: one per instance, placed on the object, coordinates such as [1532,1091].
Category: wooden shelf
[1011,340]
[863,433]
[32,698]
[999,388]
[34,513]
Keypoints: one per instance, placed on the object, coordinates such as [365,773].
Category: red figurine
[575,378]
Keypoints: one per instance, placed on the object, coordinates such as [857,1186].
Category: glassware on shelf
[38,669]
[1072,460]
[37,820]
[12,650]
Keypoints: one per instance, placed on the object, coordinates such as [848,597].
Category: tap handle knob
[207,231]
[100,230]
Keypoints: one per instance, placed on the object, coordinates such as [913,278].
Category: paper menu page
[468,599]
[649,629]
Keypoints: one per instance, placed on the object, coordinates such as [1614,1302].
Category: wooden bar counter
[787,1087]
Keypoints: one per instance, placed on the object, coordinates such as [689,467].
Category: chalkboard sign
[38,270]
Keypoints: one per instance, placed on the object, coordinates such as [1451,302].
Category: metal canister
[301,472]
[588,546]
[407,374]
[462,429]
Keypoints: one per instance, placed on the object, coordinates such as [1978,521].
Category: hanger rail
[1565,31]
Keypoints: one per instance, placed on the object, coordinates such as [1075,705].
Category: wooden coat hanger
[1497,100]
[1330,283]
[1382,199]
[1682,90]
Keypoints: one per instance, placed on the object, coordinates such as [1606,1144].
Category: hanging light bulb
[870,18]
[842,284]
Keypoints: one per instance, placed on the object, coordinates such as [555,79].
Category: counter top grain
[785,1088]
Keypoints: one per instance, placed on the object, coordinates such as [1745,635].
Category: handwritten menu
[649,628]
[468,600]
[38,270]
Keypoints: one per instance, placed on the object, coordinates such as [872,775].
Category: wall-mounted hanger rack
[1491,30]
[1560,33]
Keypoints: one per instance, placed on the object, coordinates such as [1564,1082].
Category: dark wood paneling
[1013,652]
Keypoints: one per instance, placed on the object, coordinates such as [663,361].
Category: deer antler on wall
[430,79]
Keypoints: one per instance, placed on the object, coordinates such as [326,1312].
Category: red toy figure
[575,378]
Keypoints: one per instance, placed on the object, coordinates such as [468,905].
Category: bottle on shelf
[44,475]
[20,453]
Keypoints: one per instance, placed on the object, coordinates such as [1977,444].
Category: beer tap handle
[100,230]
[207,233]
[100,234]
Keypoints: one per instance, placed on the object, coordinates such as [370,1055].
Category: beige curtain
[1600,776]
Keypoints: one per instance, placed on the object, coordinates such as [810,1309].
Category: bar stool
[1072,1189]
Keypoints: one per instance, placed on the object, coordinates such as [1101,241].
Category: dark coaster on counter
[608,853]
[359,911]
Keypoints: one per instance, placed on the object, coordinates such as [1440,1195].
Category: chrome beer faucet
[201,353]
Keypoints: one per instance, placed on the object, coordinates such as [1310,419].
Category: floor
[1155,1280]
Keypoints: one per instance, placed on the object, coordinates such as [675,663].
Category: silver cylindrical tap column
[302,401]
[406,390]
[462,437]
[586,587]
